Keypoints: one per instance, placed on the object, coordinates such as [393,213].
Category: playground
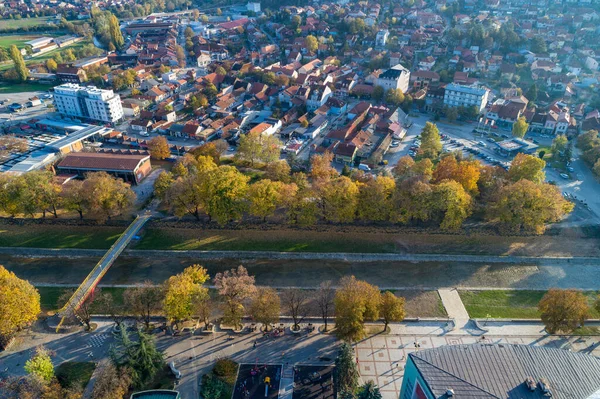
[256,381]
[313,382]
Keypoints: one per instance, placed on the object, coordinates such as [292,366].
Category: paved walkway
[454,306]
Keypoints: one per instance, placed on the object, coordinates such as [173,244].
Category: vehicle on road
[364,167]
[564,175]
[481,143]
[395,145]
[570,169]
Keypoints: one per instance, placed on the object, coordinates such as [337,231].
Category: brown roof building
[131,168]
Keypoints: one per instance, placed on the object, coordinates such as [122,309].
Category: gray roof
[499,371]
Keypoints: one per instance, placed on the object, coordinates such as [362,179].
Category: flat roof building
[465,96]
[88,102]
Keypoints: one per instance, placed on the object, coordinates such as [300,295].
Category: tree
[278,171]
[264,197]
[321,169]
[369,391]
[532,93]
[84,312]
[40,365]
[392,308]
[108,196]
[559,146]
[346,374]
[180,53]
[159,148]
[235,286]
[220,70]
[111,383]
[451,113]
[394,97]
[311,43]
[355,302]
[210,149]
[225,189]
[538,45]
[115,32]
[452,203]
[195,15]
[527,167]
[19,305]
[378,93]
[296,21]
[325,298]
[527,206]
[563,310]
[265,307]
[182,291]
[431,142]
[141,358]
[256,146]
[295,302]
[465,172]
[115,310]
[144,301]
[374,198]
[188,32]
[51,65]
[339,198]
[520,127]
[22,73]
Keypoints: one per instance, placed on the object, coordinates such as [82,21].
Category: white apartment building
[382,38]
[465,96]
[396,77]
[253,6]
[88,103]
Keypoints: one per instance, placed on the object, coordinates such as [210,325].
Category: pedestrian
[254,346]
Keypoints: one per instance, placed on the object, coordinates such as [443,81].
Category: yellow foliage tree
[19,304]
[183,291]
[355,301]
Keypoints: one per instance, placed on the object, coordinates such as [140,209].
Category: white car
[564,175]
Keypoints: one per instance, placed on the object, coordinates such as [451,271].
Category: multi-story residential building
[465,96]
[88,103]
[382,38]
[396,77]
[253,6]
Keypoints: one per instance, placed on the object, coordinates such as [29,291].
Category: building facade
[396,77]
[465,96]
[88,103]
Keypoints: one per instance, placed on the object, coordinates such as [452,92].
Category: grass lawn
[510,304]
[17,40]
[36,236]
[75,374]
[41,59]
[24,22]
[23,88]
[49,297]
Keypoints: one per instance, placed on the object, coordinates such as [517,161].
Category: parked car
[564,175]
[481,144]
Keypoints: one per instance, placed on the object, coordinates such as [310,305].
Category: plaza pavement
[380,358]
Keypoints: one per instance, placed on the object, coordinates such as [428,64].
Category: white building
[88,103]
[382,38]
[255,7]
[396,77]
[465,96]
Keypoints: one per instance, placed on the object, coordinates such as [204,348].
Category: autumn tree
[311,44]
[115,32]
[108,196]
[464,172]
[225,189]
[412,201]
[235,286]
[159,148]
[339,200]
[256,146]
[374,198]
[278,171]
[355,301]
[40,365]
[182,291]
[526,206]
[452,203]
[346,375]
[321,169]
[264,197]
[265,307]
[527,167]
[180,54]
[213,149]
[563,310]
[302,209]
[295,303]
[183,196]
[325,296]
[74,198]
[111,382]
[19,305]
[144,301]
[392,308]
[431,142]
[520,127]
[21,71]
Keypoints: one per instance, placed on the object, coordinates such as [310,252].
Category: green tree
[563,310]
[559,146]
[532,93]
[21,70]
[431,142]
[520,127]
[452,113]
[141,358]
[40,365]
[394,97]
[256,146]
[378,93]
[115,32]
[346,375]
[369,391]
[19,305]
[538,45]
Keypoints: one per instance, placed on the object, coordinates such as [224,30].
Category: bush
[214,388]
[225,368]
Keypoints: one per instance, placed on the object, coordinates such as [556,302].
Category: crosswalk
[96,341]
